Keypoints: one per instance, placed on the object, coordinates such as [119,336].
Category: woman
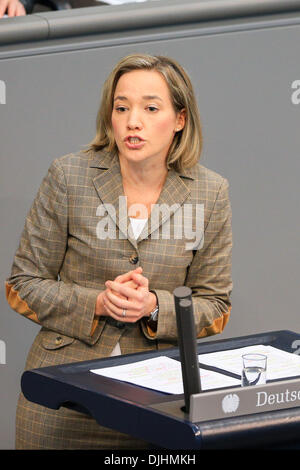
[96,265]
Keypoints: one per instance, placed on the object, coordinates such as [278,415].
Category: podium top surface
[154,416]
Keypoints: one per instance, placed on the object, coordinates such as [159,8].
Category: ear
[180,120]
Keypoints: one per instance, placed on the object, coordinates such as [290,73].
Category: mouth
[134,141]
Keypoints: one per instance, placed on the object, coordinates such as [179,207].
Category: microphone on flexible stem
[187,343]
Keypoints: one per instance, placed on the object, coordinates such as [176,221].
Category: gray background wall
[243,79]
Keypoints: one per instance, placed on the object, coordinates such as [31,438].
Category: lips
[134,142]
[133,139]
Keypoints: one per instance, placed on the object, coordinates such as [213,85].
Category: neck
[143,175]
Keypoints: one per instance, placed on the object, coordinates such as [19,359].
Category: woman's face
[143,118]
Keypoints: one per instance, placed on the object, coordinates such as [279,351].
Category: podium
[160,418]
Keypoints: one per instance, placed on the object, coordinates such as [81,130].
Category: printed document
[280,364]
[164,374]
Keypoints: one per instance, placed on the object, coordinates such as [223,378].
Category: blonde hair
[186,147]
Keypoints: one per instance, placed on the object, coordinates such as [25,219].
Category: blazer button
[133,259]
[58,340]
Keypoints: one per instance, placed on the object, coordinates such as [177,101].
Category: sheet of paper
[162,374]
[280,364]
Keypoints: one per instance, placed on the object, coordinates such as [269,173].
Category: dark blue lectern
[157,417]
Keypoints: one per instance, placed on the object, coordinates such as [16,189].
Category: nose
[134,119]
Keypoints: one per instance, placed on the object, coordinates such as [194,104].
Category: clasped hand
[129,292]
[11,8]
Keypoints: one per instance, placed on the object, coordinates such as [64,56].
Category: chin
[135,156]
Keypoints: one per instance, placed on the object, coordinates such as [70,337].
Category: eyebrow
[146,97]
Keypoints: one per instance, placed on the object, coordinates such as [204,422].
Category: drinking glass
[254,369]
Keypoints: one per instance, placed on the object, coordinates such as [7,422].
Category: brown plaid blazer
[61,265]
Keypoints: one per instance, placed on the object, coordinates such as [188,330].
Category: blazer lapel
[175,191]
[109,187]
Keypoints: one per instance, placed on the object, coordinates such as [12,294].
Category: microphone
[187,343]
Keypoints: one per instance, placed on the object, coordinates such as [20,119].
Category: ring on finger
[124,312]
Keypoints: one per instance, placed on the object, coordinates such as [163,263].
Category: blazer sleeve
[209,277]
[34,288]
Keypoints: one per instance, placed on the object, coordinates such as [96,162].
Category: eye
[152,109]
[120,109]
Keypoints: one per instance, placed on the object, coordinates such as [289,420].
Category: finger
[140,280]
[117,313]
[131,284]
[128,276]
[3,7]
[120,295]
[124,290]
[120,302]
[111,313]
[11,8]
[20,10]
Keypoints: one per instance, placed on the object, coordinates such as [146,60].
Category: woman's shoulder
[205,176]
[81,163]
[80,159]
